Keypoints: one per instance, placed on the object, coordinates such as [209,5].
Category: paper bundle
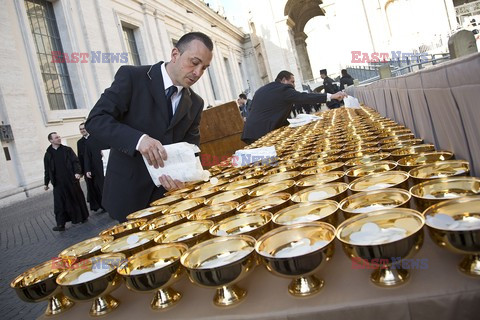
[245,157]
[351,102]
[181,164]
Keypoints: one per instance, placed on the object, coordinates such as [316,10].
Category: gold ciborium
[253,224]
[189,233]
[380,240]
[123,229]
[166,221]
[147,213]
[325,210]
[220,263]
[382,180]
[439,169]
[185,205]
[238,195]
[409,162]
[214,212]
[93,279]
[368,201]
[400,144]
[371,168]
[167,200]
[298,252]
[39,284]
[367,159]
[455,225]
[84,250]
[280,176]
[333,191]
[337,166]
[155,269]
[428,193]
[271,202]
[131,244]
[319,178]
[409,150]
[272,187]
[202,193]
[240,184]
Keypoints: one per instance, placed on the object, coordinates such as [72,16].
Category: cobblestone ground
[27,239]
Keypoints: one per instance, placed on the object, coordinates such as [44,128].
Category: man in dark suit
[273,102]
[331,88]
[81,145]
[94,170]
[145,108]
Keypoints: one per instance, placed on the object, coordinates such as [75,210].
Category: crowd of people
[145,108]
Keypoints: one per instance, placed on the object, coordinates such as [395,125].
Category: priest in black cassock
[94,205]
[94,169]
[62,169]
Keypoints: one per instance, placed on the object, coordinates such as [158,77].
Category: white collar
[167,81]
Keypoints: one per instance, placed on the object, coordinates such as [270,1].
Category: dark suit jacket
[81,152]
[135,104]
[271,106]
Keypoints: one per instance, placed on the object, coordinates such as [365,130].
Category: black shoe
[58,228]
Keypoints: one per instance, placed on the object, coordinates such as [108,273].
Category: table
[438,292]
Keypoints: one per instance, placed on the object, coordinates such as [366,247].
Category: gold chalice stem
[165,298]
[388,277]
[470,265]
[58,304]
[103,305]
[305,286]
[228,295]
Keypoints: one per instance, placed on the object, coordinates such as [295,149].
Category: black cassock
[94,164]
[61,165]
[89,182]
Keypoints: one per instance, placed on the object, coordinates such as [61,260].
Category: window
[47,41]
[230,78]
[213,82]
[133,56]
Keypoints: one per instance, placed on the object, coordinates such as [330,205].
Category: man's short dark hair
[242,96]
[283,75]
[81,124]
[323,71]
[50,135]
[189,37]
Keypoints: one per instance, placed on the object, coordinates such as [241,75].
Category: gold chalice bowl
[147,213]
[367,159]
[409,162]
[380,240]
[332,166]
[371,168]
[319,178]
[397,138]
[410,150]
[185,205]
[220,263]
[270,202]
[167,200]
[440,169]
[166,221]
[155,270]
[123,229]
[382,180]
[253,224]
[202,193]
[455,225]
[181,191]
[214,212]
[84,250]
[433,191]
[333,191]
[400,144]
[298,252]
[368,201]
[320,161]
[280,176]
[238,195]
[240,184]
[93,279]
[131,244]
[272,187]
[39,284]
[358,154]
[188,233]
[325,210]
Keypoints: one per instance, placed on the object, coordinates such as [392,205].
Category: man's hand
[46,187]
[339,95]
[153,151]
[169,184]
[78,176]
[89,175]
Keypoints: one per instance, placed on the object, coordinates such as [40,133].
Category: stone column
[302,54]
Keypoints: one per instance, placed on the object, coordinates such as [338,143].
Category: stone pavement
[27,239]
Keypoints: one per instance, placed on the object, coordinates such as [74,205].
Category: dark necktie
[170,91]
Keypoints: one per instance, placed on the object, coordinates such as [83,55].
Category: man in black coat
[62,169]
[94,170]
[145,108]
[81,145]
[345,80]
[273,102]
[331,88]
